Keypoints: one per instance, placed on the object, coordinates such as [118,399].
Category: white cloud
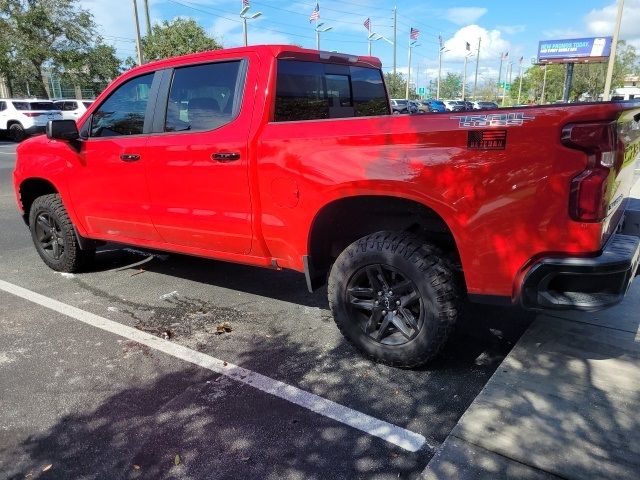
[602,21]
[492,43]
[464,15]
[511,29]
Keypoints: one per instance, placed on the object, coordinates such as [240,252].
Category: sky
[503,26]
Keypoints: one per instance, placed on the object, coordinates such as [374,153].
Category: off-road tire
[72,258]
[434,280]
[17,133]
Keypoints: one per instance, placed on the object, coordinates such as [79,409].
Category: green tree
[177,37]
[396,84]
[451,86]
[52,35]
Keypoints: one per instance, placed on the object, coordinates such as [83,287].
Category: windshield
[87,104]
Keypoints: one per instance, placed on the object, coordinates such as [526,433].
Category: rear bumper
[593,283]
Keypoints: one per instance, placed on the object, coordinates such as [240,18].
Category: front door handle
[129,157]
[225,156]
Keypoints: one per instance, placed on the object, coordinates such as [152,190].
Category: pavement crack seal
[393,434]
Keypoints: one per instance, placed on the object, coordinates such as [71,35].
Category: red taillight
[32,114]
[588,200]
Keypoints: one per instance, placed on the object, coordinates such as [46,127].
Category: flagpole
[520,87]
[499,75]
[439,66]
[369,36]
[475,82]
[464,82]
[406,96]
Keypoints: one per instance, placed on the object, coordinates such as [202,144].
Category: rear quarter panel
[504,207]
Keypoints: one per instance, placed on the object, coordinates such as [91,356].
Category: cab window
[203,97]
[123,113]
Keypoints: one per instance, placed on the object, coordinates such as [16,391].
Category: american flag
[245,3]
[468,47]
[367,24]
[315,15]
[413,34]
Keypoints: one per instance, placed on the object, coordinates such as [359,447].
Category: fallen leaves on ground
[176,460]
[224,327]
[48,467]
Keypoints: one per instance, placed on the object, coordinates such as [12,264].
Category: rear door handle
[129,157]
[225,156]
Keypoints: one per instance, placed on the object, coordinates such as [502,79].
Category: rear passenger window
[203,97]
[3,106]
[124,111]
[307,91]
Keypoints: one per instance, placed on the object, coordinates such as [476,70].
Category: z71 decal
[515,119]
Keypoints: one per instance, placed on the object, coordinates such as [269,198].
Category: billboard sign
[575,50]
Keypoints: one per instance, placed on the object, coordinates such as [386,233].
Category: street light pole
[395,38]
[243,16]
[499,75]
[606,96]
[504,88]
[406,95]
[440,51]
[475,82]
[318,32]
[137,25]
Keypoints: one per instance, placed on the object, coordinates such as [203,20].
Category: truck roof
[277,51]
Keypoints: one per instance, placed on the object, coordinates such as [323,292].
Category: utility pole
[606,96]
[318,32]
[418,78]
[520,87]
[147,17]
[395,38]
[137,25]
[475,82]
[544,84]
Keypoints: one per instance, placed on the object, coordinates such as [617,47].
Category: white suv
[72,109]
[26,117]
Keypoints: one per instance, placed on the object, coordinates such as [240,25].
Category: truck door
[198,174]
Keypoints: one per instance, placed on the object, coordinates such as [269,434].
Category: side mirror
[62,130]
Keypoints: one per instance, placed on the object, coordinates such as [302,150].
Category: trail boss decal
[515,119]
[487,140]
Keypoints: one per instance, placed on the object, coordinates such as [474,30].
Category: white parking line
[398,436]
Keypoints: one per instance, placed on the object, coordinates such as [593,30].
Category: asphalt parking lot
[130,371]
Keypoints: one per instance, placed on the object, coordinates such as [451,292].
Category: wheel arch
[343,220]
[32,188]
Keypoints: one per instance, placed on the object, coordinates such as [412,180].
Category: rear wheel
[395,297]
[54,236]
[16,133]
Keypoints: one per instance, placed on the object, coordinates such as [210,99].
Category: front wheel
[395,297]
[54,236]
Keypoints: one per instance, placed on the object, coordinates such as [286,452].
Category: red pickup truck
[282,157]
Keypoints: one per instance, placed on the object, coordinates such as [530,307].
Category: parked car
[454,105]
[414,106]
[72,109]
[434,106]
[482,105]
[237,155]
[401,105]
[20,118]
[468,105]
